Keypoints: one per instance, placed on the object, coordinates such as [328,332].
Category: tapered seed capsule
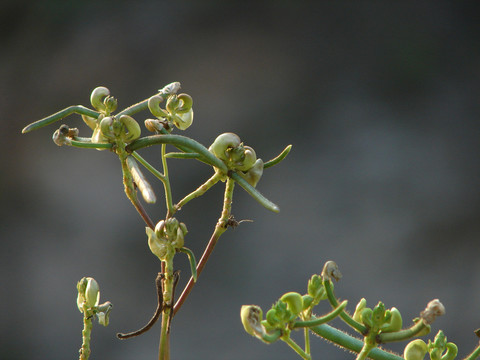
[142,183]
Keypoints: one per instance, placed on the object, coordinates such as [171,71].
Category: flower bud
[130,130]
[249,159]
[222,143]
[294,302]
[415,350]
[357,315]
[154,106]
[92,293]
[394,322]
[97,97]
[157,245]
[110,104]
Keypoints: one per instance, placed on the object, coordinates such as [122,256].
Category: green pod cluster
[178,112]
[229,148]
[278,316]
[167,238]
[123,128]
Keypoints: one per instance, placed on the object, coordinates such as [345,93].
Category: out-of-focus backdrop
[379,99]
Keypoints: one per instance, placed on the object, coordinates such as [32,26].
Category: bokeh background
[379,99]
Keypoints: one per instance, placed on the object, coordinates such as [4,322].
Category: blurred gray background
[379,99]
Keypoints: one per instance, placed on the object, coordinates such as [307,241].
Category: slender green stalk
[475,354]
[350,343]
[297,348]
[179,141]
[149,167]
[166,184]
[368,346]
[220,228]
[164,345]
[202,189]
[90,145]
[327,284]
[306,335]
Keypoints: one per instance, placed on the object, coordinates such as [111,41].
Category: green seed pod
[415,350]
[395,321]
[251,316]
[154,106]
[357,315]
[294,302]
[249,159]
[157,245]
[131,129]
[222,143]
[97,97]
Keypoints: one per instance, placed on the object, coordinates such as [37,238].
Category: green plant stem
[306,335]
[350,343]
[296,348]
[166,184]
[89,145]
[181,142]
[149,167]
[202,189]
[474,354]
[327,284]
[74,109]
[402,335]
[86,333]
[368,345]
[164,345]
[220,228]
[323,319]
